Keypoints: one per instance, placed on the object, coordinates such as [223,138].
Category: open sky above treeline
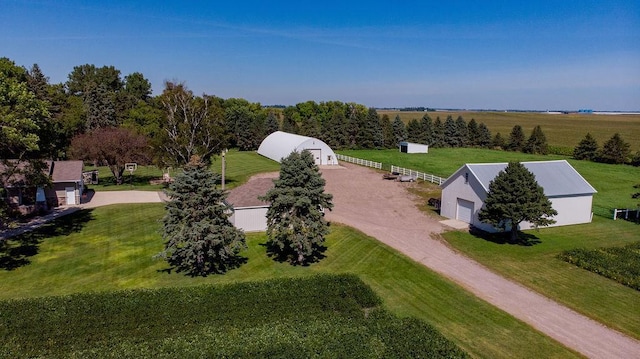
[533,55]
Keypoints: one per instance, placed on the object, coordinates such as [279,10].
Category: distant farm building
[408,147]
[250,213]
[279,145]
[464,193]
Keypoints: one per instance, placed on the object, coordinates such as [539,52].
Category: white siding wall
[250,219]
[466,191]
[417,148]
[571,210]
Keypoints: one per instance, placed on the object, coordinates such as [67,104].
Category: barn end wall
[250,219]
[457,188]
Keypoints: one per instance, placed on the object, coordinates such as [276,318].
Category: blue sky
[539,55]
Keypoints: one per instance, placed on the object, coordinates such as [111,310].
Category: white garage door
[316,156]
[464,211]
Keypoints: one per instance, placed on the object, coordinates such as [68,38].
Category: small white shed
[464,192]
[409,147]
[250,213]
[279,145]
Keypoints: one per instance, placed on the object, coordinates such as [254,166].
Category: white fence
[627,214]
[418,175]
[359,161]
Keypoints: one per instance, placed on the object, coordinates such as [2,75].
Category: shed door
[464,211]
[316,156]
[71,195]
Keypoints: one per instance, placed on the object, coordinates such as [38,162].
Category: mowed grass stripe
[408,289]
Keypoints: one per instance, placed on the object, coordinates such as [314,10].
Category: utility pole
[224,165]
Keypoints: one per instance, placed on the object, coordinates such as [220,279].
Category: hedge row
[322,316]
[621,264]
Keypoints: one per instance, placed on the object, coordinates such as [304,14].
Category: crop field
[335,316]
[561,130]
[112,248]
[538,266]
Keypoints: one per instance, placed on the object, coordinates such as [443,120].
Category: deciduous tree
[199,239]
[295,219]
[515,196]
[113,147]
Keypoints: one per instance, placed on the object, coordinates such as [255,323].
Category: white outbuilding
[409,147]
[250,213]
[279,145]
[464,192]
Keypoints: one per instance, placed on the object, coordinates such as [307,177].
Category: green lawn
[240,166]
[112,248]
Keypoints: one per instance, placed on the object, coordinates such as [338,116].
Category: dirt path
[384,210]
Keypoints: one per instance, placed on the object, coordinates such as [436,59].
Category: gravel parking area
[387,211]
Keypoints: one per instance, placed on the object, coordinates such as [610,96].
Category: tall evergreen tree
[387,131]
[450,132]
[473,133]
[537,142]
[438,133]
[515,196]
[199,239]
[427,130]
[399,130]
[295,220]
[333,130]
[371,131]
[587,149]
[484,136]
[462,132]
[414,131]
[100,107]
[516,139]
[271,124]
[498,142]
[615,150]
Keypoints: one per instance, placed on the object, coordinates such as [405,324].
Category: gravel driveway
[385,210]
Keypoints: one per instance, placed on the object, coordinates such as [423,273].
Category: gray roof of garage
[557,178]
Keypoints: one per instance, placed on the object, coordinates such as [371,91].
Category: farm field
[336,316]
[112,248]
[537,266]
[561,130]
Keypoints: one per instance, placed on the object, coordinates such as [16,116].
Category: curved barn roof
[279,145]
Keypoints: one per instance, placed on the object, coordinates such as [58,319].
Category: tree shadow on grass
[279,255]
[220,268]
[524,239]
[15,252]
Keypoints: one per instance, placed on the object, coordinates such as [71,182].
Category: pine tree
[537,142]
[399,131]
[516,139]
[438,133]
[199,239]
[587,149]
[271,124]
[484,136]
[427,130]
[387,131]
[473,133]
[450,132]
[615,150]
[295,220]
[414,131]
[498,141]
[462,133]
[515,196]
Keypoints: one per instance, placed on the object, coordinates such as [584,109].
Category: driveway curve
[386,211]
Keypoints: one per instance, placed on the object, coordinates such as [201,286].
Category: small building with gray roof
[250,213]
[464,192]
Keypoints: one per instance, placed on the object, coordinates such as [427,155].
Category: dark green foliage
[515,196]
[399,130]
[295,219]
[427,130]
[587,149]
[621,264]
[414,131]
[100,108]
[438,133]
[290,122]
[370,131]
[450,133]
[462,133]
[498,141]
[615,150]
[484,136]
[246,123]
[137,86]
[271,124]
[635,161]
[473,133]
[516,139]
[387,132]
[537,142]
[199,239]
[334,316]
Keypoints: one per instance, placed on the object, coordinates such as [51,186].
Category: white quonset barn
[250,213]
[463,193]
[409,147]
[279,145]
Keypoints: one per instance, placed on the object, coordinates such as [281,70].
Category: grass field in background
[614,183]
[112,248]
[240,166]
[562,130]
